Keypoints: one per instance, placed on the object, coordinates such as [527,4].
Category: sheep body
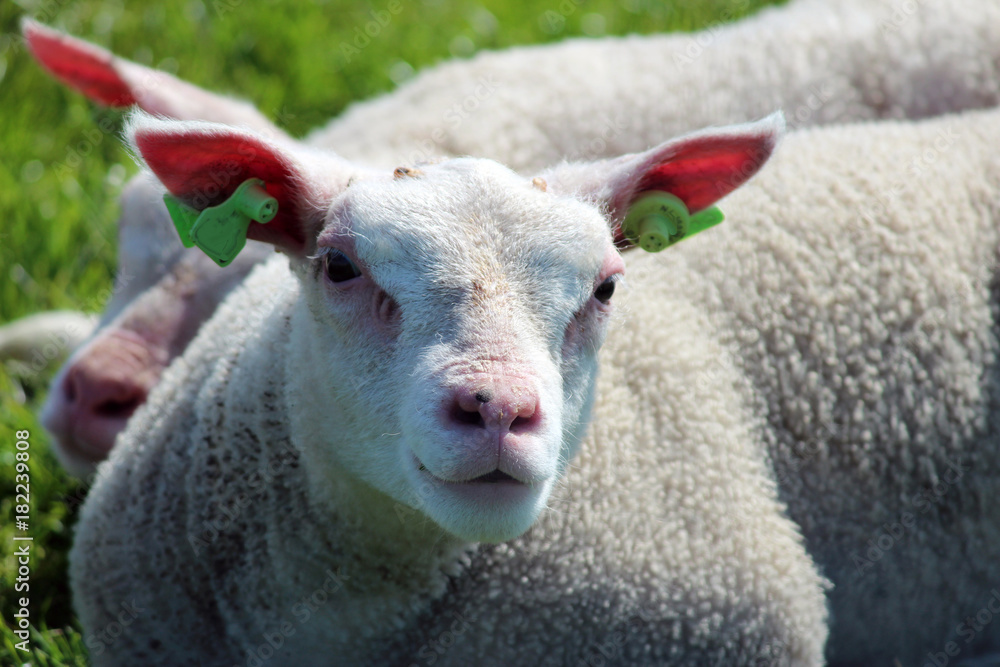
[772,395]
[862,309]
[529,107]
[822,62]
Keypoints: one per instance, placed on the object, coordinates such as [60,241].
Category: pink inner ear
[80,65]
[705,170]
[204,169]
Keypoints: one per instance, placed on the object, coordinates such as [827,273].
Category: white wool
[822,62]
[771,394]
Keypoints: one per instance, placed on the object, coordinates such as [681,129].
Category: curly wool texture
[773,393]
[822,62]
[863,304]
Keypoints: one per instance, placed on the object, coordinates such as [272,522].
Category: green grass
[60,177]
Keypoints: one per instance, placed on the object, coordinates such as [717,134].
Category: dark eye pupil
[605,290]
[339,267]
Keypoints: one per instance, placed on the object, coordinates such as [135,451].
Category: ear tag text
[221,231]
[659,219]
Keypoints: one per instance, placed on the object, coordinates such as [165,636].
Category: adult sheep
[821,61]
[347,458]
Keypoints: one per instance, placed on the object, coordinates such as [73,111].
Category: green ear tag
[183,216]
[660,219]
[221,231]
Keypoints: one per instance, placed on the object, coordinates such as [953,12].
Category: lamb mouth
[496,477]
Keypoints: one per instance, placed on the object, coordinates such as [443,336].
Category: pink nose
[498,411]
[99,400]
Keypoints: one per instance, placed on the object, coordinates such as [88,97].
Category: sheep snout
[499,411]
[99,392]
[495,427]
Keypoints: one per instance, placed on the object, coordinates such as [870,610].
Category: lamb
[825,63]
[800,398]
[163,293]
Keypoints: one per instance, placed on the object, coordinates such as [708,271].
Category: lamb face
[444,344]
[464,307]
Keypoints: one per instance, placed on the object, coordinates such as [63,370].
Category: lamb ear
[699,168]
[203,163]
[115,82]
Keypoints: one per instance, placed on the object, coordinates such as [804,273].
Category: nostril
[97,392]
[504,409]
[69,386]
[460,415]
[118,409]
[524,423]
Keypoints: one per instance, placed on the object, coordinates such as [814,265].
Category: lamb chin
[482,511]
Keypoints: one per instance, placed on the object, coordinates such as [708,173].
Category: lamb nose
[92,393]
[506,410]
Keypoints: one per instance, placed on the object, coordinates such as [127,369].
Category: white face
[455,320]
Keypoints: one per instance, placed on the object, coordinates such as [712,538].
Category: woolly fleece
[772,395]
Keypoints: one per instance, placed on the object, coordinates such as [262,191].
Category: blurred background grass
[60,176]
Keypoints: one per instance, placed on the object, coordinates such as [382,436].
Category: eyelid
[317,259]
[324,250]
[319,264]
[616,277]
[613,265]
[321,252]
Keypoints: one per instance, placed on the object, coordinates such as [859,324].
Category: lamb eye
[605,290]
[339,267]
